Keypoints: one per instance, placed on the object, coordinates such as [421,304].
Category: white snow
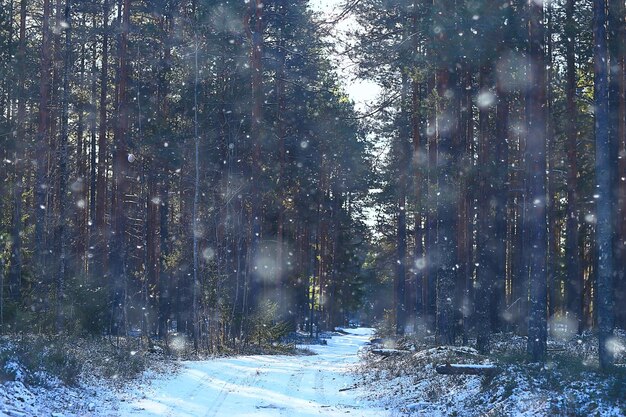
[566,385]
[294,386]
[472,366]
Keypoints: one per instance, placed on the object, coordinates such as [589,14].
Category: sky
[363,92]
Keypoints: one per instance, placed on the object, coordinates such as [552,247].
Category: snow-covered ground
[294,386]
[568,384]
[398,378]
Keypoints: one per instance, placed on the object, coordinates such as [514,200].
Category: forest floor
[320,381]
[261,385]
[404,379]
[343,377]
[61,376]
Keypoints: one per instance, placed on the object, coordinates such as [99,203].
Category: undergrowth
[46,360]
[569,383]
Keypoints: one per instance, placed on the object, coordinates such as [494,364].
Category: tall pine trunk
[535,222]
[446,209]
[99,240]
[121,159]
[15,271]
[256,64]
[485,274]
[604,191]
[63,173]
[195,308]
[574,279]
[401,232]
[41,148]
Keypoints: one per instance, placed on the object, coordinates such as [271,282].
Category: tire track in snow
[319,388]
[202,383]
[251,385]
[295,380]
[227,388]
[293,385]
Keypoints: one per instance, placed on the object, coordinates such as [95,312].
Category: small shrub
[33,358]
[386,327]
[265,326]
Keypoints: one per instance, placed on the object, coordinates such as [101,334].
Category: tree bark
[604,200]
[41,185]
[63,173]
[195,308]
[535,223]
[574,283]
[446,209]
[256,65]
[100,262]
[121,159]
[15,271]
[485,275]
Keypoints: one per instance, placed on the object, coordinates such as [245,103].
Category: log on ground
[466,369]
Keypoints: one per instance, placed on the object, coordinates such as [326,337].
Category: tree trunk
[500,192]
[121,159]
[256,64]
[403,163]
[93,106]
[100,261]
[195,308]
[15,271]
[164,279]
[535,225]
[63,173]
[552,197]
[466,205]
[80,191]
[281,276]
[485,274]
[41,185]
[446,211]
[165,287]
[431,255]
[616,25]
[604,200]
[418,167]
[574,283]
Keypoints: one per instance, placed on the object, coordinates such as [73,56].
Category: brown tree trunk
[500,193]
[164,275]
[281,276]
[15,272]
[121,159]
[447,217]
[256,128]
[62,272]
[79,186]
[617,115]
[100,262]
[574,283]
[485,273]
[431,224]
[418,169]
[41,154]
[535,224]
[403,149]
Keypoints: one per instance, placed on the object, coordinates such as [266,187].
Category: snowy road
[262,386]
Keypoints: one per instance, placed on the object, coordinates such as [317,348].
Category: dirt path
[262,386]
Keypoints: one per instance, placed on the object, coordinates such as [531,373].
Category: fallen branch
[376,341]
[466,369]
[389,352]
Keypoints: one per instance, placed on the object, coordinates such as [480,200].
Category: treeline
[504,184]
[176,165]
